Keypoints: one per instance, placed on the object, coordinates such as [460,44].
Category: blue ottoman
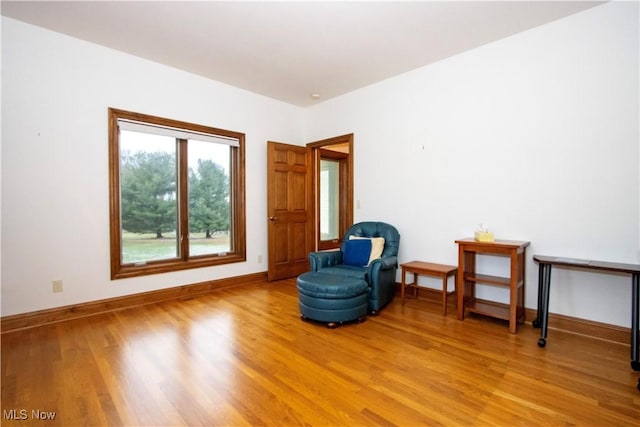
[332,299]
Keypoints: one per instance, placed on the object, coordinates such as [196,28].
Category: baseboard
[574,325]
[15,322]
[60,314]
[559,322]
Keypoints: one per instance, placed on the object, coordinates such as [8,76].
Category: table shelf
[489,308]
[487,279]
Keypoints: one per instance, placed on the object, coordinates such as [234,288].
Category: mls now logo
[23,414]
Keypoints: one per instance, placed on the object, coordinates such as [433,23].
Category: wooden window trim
[238,197]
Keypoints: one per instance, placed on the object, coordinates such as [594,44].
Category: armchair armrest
[319,260]
[385,266]
[384,263]
[382,279]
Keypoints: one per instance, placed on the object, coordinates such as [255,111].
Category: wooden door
[289,209]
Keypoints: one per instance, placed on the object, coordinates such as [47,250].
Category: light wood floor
[242,356]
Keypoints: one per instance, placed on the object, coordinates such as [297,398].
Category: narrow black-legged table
[544,283]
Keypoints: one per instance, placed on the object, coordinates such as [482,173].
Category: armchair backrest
[376,229]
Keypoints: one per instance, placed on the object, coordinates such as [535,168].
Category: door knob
[273,218]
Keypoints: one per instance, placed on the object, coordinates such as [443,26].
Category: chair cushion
[342,270]
[332,287]
[356,252]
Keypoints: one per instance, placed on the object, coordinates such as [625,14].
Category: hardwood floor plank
[242,356]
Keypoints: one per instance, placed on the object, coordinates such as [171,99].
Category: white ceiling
[289,50]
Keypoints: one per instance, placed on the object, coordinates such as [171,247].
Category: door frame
[346,217]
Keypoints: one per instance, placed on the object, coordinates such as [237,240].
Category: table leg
[538,320]
[404,283]
[522,262]
[513,294]
[444,294]
[635,320]
[543,310]
[460,284]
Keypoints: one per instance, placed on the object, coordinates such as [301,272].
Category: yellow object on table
[483,236]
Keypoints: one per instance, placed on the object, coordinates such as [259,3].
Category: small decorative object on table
[483,234]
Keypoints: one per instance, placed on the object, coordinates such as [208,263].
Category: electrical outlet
[57,286]
[259,259]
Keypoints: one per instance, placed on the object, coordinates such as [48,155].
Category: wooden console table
[467,279]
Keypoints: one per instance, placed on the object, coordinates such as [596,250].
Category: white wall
[55,200]
[536,135]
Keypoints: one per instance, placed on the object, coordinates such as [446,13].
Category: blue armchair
[380,273]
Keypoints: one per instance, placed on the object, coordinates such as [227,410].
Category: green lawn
[146,247]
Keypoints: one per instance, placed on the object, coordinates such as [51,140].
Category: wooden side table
[467,279]
[428,269]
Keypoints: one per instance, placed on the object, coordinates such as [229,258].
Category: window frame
[237,201]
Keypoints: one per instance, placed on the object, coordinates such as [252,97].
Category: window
[176,195]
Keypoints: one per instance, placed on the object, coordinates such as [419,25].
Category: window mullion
[183,198]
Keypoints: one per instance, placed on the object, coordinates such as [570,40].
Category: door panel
[289,209]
